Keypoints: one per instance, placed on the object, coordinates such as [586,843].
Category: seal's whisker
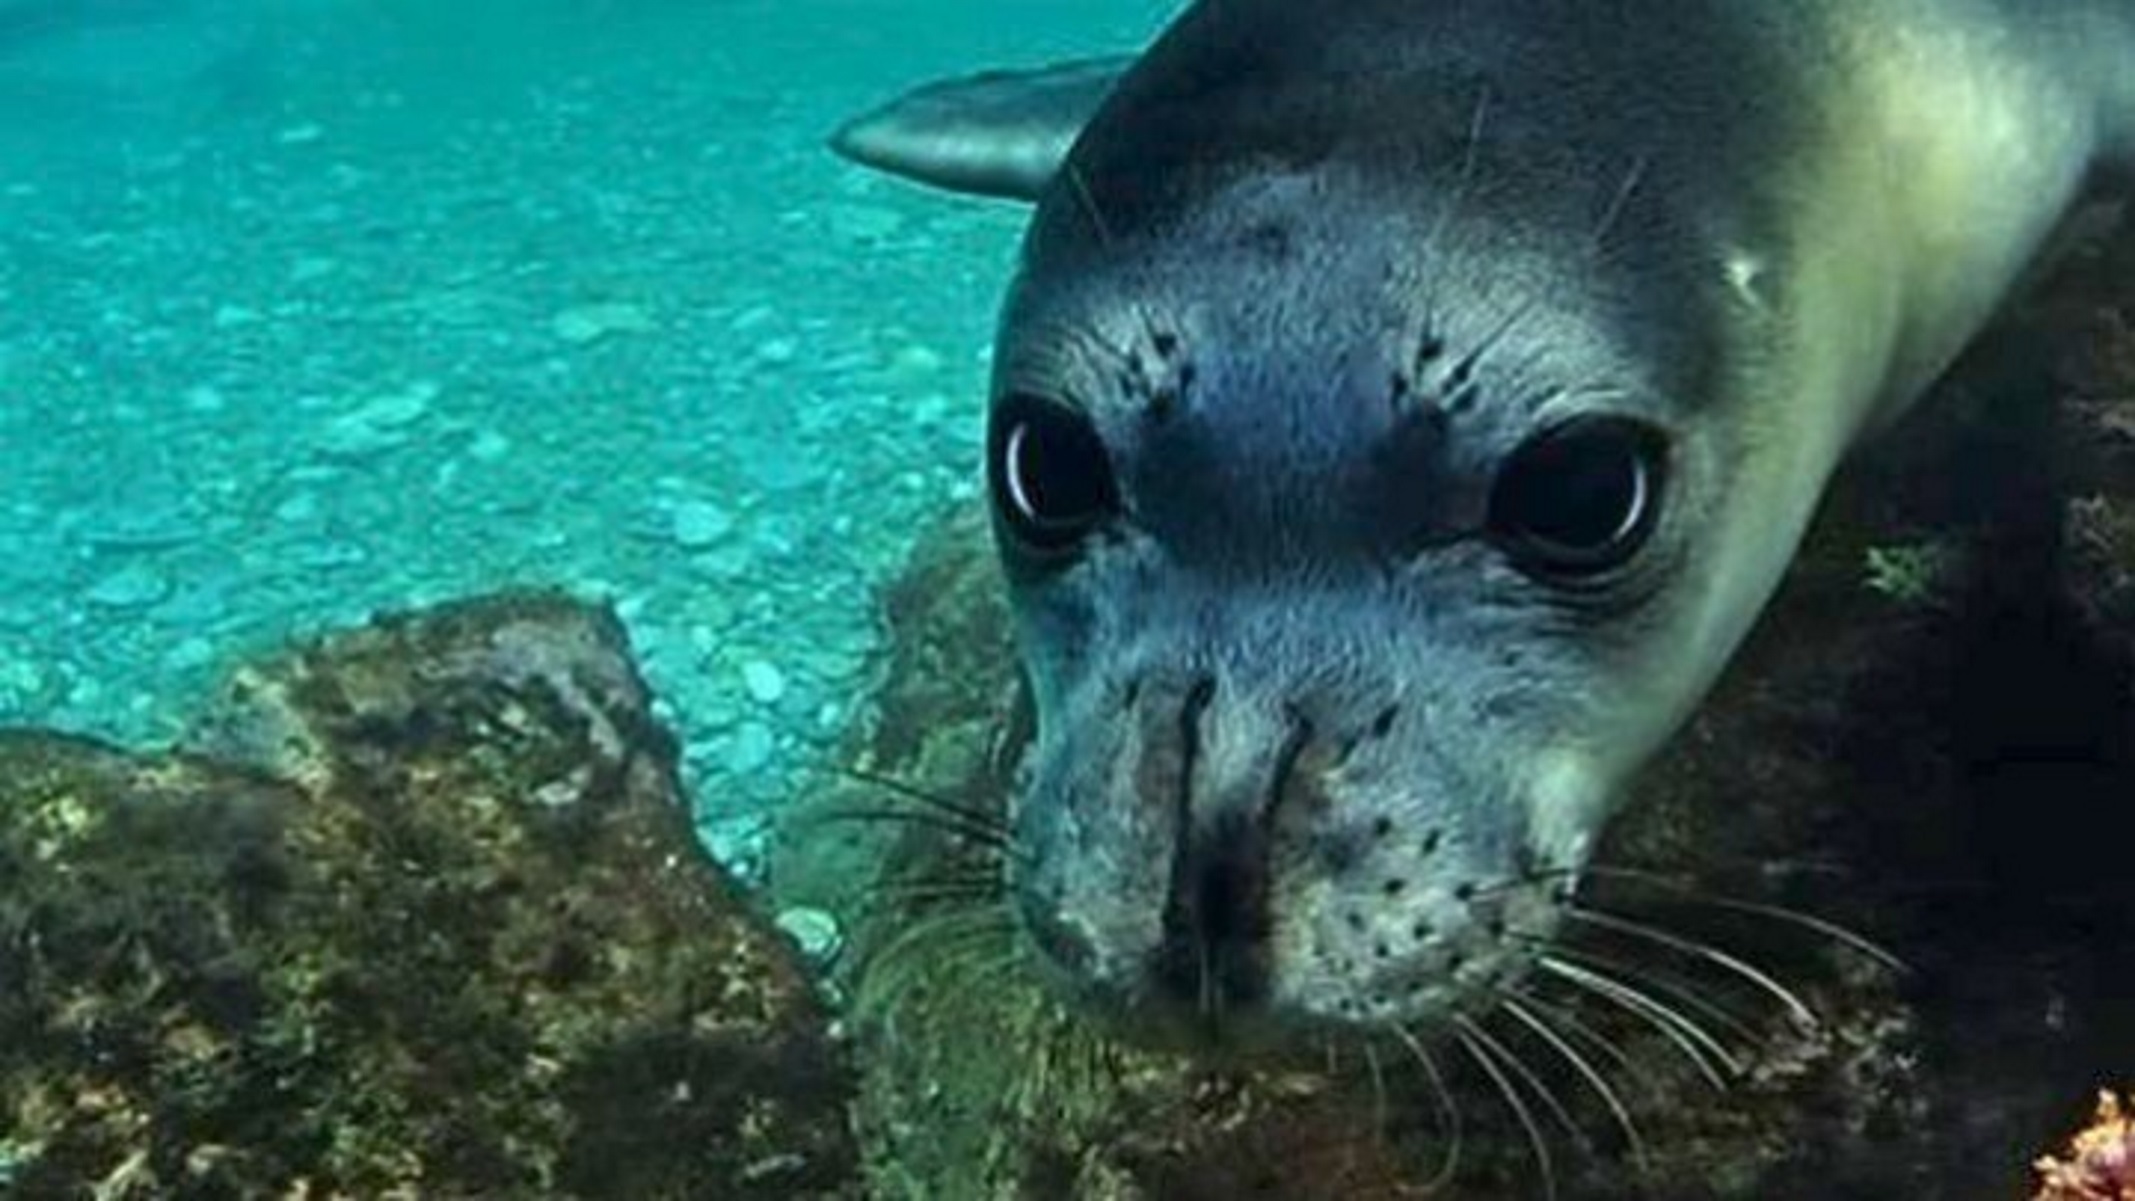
[1696,948]
[1058,353]
[943,941]
[1520,1112]
[950,929]
[1576,1027]
[979,889]
[1210,1001]
[1449,1123]
[1691,894]
[1695,1042]
[1671,988]
[1621,201]
[994,967]
[1087,202]
[1526,1074]
[1535,1022]
[1471,154]
[993,841]
[932,800]
[1378,1090]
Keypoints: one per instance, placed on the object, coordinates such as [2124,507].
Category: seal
[1402,411]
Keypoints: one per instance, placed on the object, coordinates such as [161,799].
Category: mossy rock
[422,915]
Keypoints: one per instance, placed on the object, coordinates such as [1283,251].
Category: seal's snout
[1254,850]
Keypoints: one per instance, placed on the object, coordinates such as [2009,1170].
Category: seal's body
[1404,408]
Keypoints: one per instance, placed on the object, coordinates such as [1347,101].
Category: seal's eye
[1580,498]
[1051,478]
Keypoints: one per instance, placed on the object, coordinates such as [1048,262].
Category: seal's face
[1343,616]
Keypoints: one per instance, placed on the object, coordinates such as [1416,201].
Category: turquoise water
[311,308]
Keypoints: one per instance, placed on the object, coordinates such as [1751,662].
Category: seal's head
[1360,523]
[1405,408]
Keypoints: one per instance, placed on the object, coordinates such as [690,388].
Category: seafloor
[310,308]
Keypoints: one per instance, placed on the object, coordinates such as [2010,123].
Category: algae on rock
[421,914]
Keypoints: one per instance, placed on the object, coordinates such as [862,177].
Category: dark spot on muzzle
[1214,950]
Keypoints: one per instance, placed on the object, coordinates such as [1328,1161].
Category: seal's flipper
[1002,133]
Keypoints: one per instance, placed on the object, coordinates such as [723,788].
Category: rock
[192,654]
[380,424]
[298,508]
[814,931]
[308,268]
[862,222]
[489,446]
[765,682]
[914,362]
[134,586]
[235,316]
[751,749]
[145,524]
[22,683]
[699,525]
[583,325]
[428,891]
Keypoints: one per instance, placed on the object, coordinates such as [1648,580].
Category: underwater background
[505,691]
[313,308]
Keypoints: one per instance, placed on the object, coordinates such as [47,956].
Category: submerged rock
[420,913]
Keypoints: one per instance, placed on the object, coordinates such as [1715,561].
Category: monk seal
[1403,408]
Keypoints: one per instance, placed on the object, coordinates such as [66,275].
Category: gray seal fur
[1313,751]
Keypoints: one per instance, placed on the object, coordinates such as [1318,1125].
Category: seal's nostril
[1383,724]
[1216,920]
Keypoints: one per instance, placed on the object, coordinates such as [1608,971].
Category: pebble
[489,446]
[297,509]
[585,324]
[190,655]
[863,222]
[20,683]
[726,565]
[751,749]
[134,587]
[379,424]
[814,931]
[311,267]
[336,553]
[141,529]
[931,409]
[235,316]
[698,525]
[914,361]
[765,682]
